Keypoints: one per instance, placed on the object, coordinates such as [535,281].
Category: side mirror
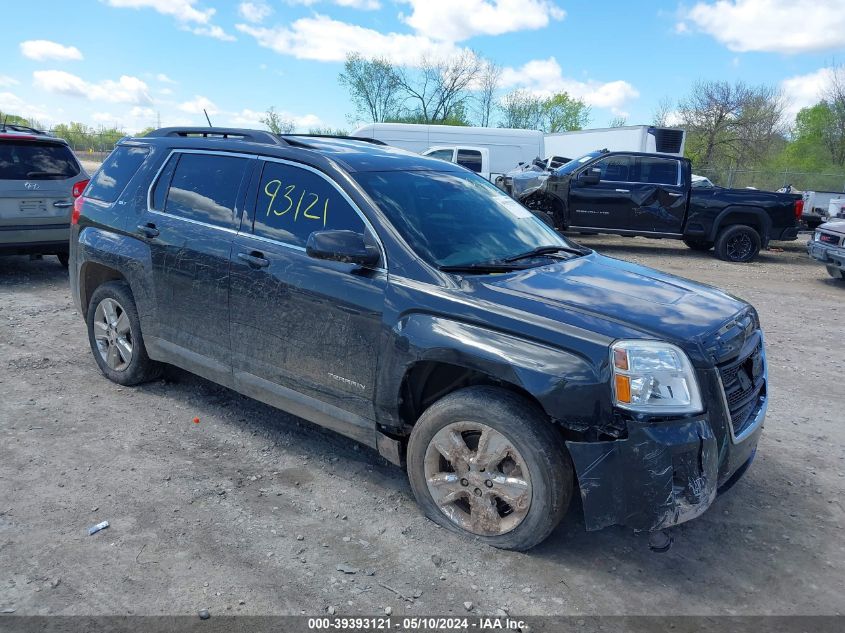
[342,246]
[590,176]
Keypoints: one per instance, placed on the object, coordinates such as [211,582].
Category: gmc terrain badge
[32,186]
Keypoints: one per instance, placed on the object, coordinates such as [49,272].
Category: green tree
[558,113]
[276,123]
[328,131]
[373,87]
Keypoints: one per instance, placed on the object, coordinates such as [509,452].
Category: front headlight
[817,235]
[653,377]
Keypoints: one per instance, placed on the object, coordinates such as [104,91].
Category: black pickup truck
[628,193]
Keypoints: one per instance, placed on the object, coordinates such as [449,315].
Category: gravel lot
[252,511]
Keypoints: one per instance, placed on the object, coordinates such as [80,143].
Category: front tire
[485,462]
[114,333]
[737,243]
[835,272]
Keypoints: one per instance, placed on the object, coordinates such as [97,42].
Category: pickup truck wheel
[544,217]
[114,333]
[699,245]
[834,272]
[737,243]
[484,462]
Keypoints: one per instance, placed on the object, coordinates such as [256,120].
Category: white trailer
[488,151]
[628,138]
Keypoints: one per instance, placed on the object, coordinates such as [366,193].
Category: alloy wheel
[478,478]
[113,334]
[739,247]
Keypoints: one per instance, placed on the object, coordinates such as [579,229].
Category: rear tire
[737,243]
[500,444]
[114,333]
[699,245]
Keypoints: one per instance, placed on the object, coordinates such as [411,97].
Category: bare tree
[833,130]
[276,123]
[373,87]
[619,121]
[731,123]
[662,112]
[488,84]
[439,88]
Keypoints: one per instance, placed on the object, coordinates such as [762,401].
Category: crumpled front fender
[660,475]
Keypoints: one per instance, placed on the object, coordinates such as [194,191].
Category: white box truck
[488,151]
[628,138]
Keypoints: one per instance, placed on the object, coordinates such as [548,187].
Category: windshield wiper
[544,250]
[480,268]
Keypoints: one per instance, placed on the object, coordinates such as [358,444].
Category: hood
[836,226]
[626,296]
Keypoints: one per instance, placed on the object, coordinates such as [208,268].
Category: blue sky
[127,62]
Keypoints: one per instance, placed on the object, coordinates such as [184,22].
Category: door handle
[148,230]
[254,259]
[623,191]
[675,195]
[59,204]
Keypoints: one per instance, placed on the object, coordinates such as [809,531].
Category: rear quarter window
[28,160]
[116,172]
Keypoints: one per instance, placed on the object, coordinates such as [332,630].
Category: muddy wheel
[835,272]
[699,245]
[114,333]
[486,463]
[737,243]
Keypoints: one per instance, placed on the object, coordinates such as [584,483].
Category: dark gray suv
[413,306]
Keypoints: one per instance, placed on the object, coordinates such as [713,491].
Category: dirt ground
[252,511]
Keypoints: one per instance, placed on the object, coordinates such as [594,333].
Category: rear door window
[205,187]
[471,159]
[657,171]
[116,172]
[32,160]
[293,202]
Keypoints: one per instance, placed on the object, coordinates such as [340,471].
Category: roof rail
[363,139]
[254,136]
[14,127]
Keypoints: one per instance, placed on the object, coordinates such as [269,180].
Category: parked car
[39,178]
[828,247]
[411,305]
[631,193]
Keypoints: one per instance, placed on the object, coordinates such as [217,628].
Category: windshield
[568,168]
[456,218]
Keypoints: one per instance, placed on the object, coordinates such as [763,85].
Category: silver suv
[39,178]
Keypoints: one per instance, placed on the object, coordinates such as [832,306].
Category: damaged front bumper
[663,473]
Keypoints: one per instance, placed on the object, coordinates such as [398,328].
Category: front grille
[744,381]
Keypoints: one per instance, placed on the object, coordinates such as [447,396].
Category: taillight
[799,208]
[77,210]
[79,187]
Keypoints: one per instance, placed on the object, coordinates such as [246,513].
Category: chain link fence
[773,180]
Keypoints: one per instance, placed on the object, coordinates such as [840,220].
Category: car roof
[15,132]
[352,154]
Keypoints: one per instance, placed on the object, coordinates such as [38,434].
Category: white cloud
[165,91]
[324,39]
[41,50]
[198,104]
[778,26]
[366,5]
[252,119]
[127,89]
[545,77]
[455,21]
[6,81]
[13,104]
[165,79]
[254,11]
[182,10]
[143,113]
[803,91]
[212,31]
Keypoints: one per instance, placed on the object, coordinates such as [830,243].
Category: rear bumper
[25,237]
[827,254]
